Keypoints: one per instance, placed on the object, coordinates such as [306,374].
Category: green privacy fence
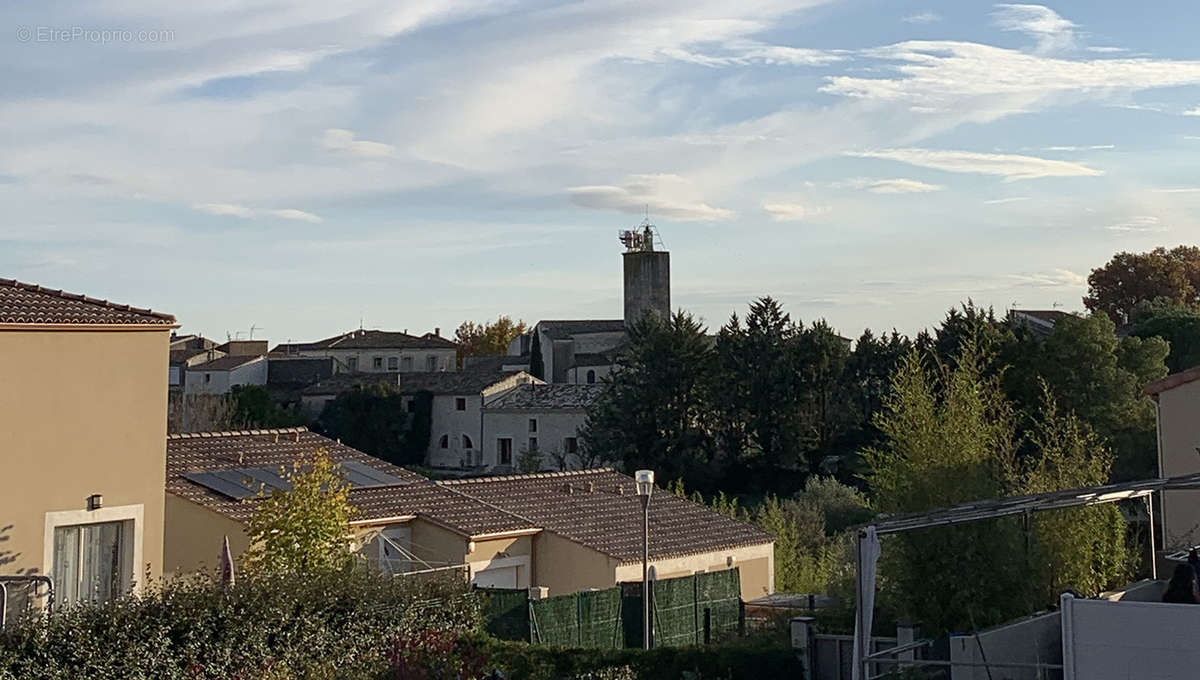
[687,610]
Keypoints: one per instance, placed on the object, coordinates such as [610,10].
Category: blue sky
[301,166]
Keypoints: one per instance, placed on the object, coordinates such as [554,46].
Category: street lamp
[645,486]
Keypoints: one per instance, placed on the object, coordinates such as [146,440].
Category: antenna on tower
[641,239]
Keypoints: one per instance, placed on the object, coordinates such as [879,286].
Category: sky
[307,167]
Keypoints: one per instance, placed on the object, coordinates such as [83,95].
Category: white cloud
[234,210]
[926,17]
[1106,49]
[663,195]
[1138,224]
[793,212]
[1001,201]
[1192,112]
[224,209]
[903,186]
[1178,190]
[746,52]
[980,83]
[1010,167]
[897,185]
[1051,30]
[1055,278]
[336,139]
[293,214]
[1093,147]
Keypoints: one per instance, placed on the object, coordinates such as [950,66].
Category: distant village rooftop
[27,303]
[369,339]
[438,382]
[537,396]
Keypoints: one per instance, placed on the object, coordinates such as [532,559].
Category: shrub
[324,625]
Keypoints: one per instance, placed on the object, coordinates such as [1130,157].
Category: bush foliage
[320,626]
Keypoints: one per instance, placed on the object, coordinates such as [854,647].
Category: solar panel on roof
[373,477]
[225,487]
[267,477]
[358,480]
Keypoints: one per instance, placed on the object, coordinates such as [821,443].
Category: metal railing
[31,581]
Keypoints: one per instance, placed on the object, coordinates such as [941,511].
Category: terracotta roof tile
[600,509]
[26,303]
[211,451]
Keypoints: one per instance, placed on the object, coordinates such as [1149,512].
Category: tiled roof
[369,339]
[25,303]
[562,329]
[558,396]
[1174,380]
[225,363]
[418,496]
[437,382]
[600,509]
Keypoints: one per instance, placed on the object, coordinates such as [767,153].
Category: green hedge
[315,626]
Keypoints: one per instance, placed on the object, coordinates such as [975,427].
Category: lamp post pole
[646,572]
[645,485]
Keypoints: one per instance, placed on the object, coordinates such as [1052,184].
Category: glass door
[90,562]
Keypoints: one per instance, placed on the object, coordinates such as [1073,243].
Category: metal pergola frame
[992,508]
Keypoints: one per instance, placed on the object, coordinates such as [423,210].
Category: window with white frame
[377,363]
[406,363]
[92,562]
[432,363]
[393,363]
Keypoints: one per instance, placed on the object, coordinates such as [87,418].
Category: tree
[1099,378]
[529,460]
[974,325]
[821,357]
[305,529]
[1178,324]
[376,419]
[1079,548]
[254,408]
[487,339]
[199,412]
[950,436]
[758,395]
[537,365]
[867,381]
[1132,278]
[651,413]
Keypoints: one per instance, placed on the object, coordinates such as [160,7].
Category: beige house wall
[82,412]
[564,566]
[193,537]
[1178,444]
[756,566]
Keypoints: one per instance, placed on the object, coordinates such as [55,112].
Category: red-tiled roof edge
[236,433]
[1172,381]
[493,506]
[530,475]
[58,292]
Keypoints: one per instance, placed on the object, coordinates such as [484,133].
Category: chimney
[437,332]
